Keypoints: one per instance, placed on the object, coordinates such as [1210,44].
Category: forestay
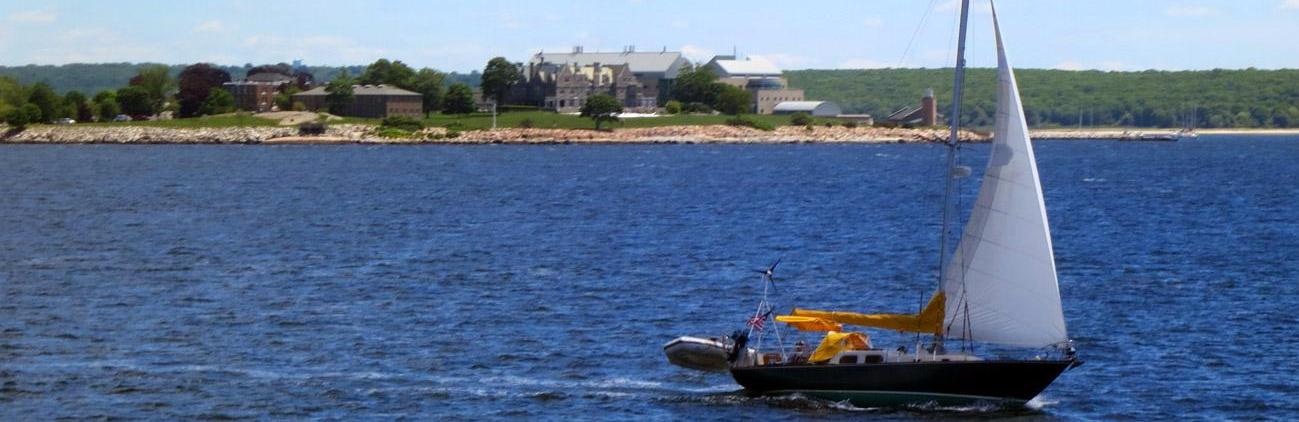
[1001,283]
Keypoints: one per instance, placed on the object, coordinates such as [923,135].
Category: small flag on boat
[758,321]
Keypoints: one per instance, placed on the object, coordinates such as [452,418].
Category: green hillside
[1222,98]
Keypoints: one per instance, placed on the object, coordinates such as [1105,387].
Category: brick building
[371,101]
[924,115]
[253,96]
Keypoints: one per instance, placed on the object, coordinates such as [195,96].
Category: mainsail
[1001,282]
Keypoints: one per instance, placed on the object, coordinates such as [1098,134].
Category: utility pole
[493,115]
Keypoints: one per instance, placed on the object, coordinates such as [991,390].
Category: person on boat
[800,352]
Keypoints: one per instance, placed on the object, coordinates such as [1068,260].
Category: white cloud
[872,22]
[1190,11]
[1290,5]
[1108,65]
[1068,65]
[212,26]
[1112,65]
[316,48]
[33,16]
[70,47]
[782,61]
[696,53]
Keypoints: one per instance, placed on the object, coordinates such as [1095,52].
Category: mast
[949,203]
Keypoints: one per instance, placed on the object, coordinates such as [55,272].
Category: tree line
[96,77]
[1248,98]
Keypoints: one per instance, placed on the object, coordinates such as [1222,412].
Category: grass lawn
[221,121]
[548,120]
[540,120]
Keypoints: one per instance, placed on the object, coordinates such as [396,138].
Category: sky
[463,35]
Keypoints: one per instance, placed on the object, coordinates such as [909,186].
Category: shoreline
[712,134]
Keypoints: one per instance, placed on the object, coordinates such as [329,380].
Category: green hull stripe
[875,398]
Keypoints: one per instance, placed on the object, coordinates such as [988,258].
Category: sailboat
[999,286]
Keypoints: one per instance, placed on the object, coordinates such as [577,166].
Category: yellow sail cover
[803,323]
[835,342]
[929,320]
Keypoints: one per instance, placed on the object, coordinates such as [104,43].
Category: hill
[1222,98]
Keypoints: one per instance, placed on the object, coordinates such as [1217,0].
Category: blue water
[461,282]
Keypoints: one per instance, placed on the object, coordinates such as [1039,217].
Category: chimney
[928,109]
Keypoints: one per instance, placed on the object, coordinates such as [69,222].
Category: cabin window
[873,359]
[848,359]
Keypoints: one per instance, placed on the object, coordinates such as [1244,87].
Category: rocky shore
[368,134]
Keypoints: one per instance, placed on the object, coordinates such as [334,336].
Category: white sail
[1001,283]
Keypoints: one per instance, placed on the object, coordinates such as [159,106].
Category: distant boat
[999,286]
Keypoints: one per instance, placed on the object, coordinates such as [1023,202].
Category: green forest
[1247,98]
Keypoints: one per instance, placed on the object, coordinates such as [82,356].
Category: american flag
[758,321]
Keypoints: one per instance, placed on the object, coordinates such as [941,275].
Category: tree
[284,100]
[498,78]
[157,84]
[393,73]
[339,91]
[20,117]
[733,100]
[218,101]
[46,100]
[428,83]
[196,82]
[696,85]
[601,108]
[78,107]
[106,105]
[459,100]
[135,102]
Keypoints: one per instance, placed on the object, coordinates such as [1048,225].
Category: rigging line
[914,34]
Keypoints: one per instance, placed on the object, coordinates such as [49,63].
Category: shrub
[392,132]
[829,123]
[851,124]
[747,122]
[299,106]
[698,108]
[513,108]
[311,128]
[672,107]
[526,124]
[453,134]
[800,119]
[408,124]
